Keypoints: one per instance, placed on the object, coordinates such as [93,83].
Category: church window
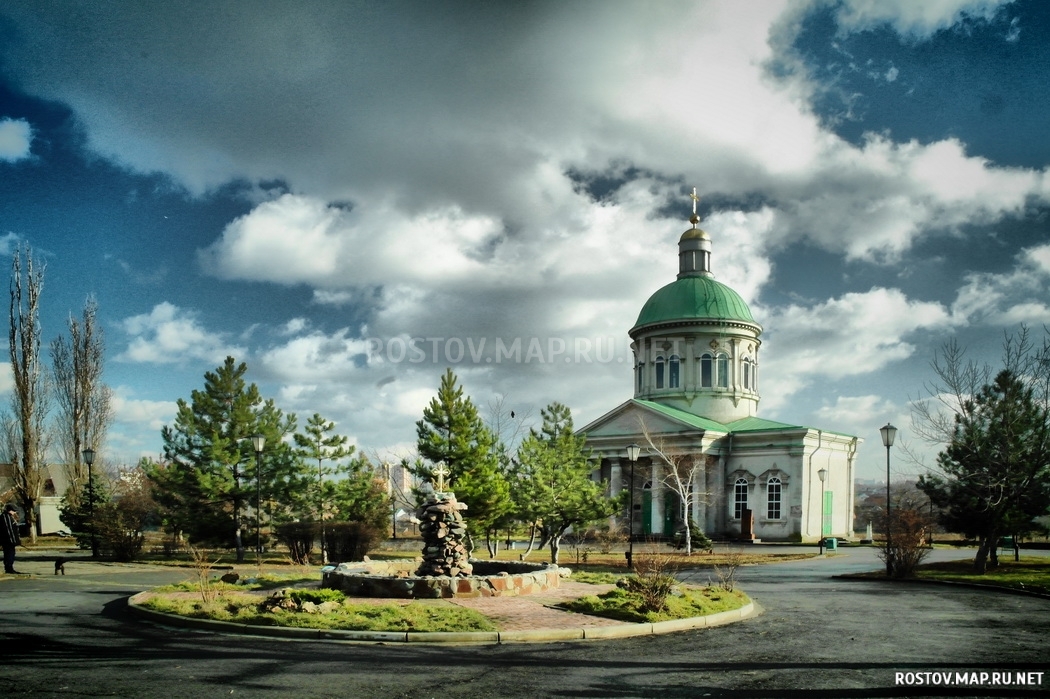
[747,374]
[705,371]
[739,498]
[640,372]
[660,371]
[673,371]
[723,371]
[773,492]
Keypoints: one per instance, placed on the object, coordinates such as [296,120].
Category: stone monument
[442,528]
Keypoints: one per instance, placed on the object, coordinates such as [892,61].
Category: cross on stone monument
[440,471]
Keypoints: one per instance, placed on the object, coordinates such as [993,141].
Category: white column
[615,476]
[615,486]
[656,519]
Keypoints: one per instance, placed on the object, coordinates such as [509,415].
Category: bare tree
[26,438]
[84,412]
[681,473]
[510,426]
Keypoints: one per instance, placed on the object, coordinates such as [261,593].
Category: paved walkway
[535,611]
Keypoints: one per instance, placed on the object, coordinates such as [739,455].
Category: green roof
[741,426]
[758,424]
[682,416]
[694,297]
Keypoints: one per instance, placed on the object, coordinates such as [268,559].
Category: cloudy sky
[351,196]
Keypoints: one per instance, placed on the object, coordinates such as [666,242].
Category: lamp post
[822,474]
[89,458]
[632,456]
[258,441]
[889,433]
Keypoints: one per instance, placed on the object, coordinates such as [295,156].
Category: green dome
[694,297]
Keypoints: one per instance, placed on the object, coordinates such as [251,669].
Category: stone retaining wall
[392,579]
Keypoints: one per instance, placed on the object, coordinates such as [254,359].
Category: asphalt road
[818,637]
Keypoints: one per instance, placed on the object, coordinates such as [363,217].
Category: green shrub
[317,596]
[697,539]
[350,541]
[299,538]
[653,581]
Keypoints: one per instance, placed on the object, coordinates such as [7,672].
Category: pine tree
[452,432]
[996,469]
[318,443]
[210,474]
[552,480]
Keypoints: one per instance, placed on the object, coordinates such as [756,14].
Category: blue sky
[310,186]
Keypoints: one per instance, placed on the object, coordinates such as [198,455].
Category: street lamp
[632,455]
[889,433]
[822,474]
[89,458]
[258,441]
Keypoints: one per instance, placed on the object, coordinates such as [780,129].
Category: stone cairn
[442,528]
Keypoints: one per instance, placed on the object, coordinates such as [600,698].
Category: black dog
[60,566]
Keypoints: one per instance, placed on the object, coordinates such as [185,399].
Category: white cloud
[877,200]
[436,190]
[295,326]
[910,18]
[16,139]
[7,379]
[150,414]
[169,334]
[298,239]
[855,334]
[1017,296]
[315,358]
[9,243]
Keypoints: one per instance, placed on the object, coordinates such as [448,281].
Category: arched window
[640,372]
[773,492]
[706,370]
[660,371]
[747,374]
[739,498]
[723,370]
[672,371]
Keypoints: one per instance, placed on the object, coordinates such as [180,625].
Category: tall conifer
[452,432]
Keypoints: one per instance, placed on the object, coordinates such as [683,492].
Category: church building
[694,415]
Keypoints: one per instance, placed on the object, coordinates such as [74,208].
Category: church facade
[694,416]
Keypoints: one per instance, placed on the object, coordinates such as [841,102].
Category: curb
[446,637]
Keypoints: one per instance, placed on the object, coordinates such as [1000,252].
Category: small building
[47,505]
[695,413]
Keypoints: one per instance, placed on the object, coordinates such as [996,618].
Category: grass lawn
[1030,573]
[615,561]
[626,606]
[246,602]
[344,614]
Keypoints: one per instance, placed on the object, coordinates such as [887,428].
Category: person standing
[9,538]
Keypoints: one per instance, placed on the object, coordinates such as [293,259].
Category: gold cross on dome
[440,471]
[695,199]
